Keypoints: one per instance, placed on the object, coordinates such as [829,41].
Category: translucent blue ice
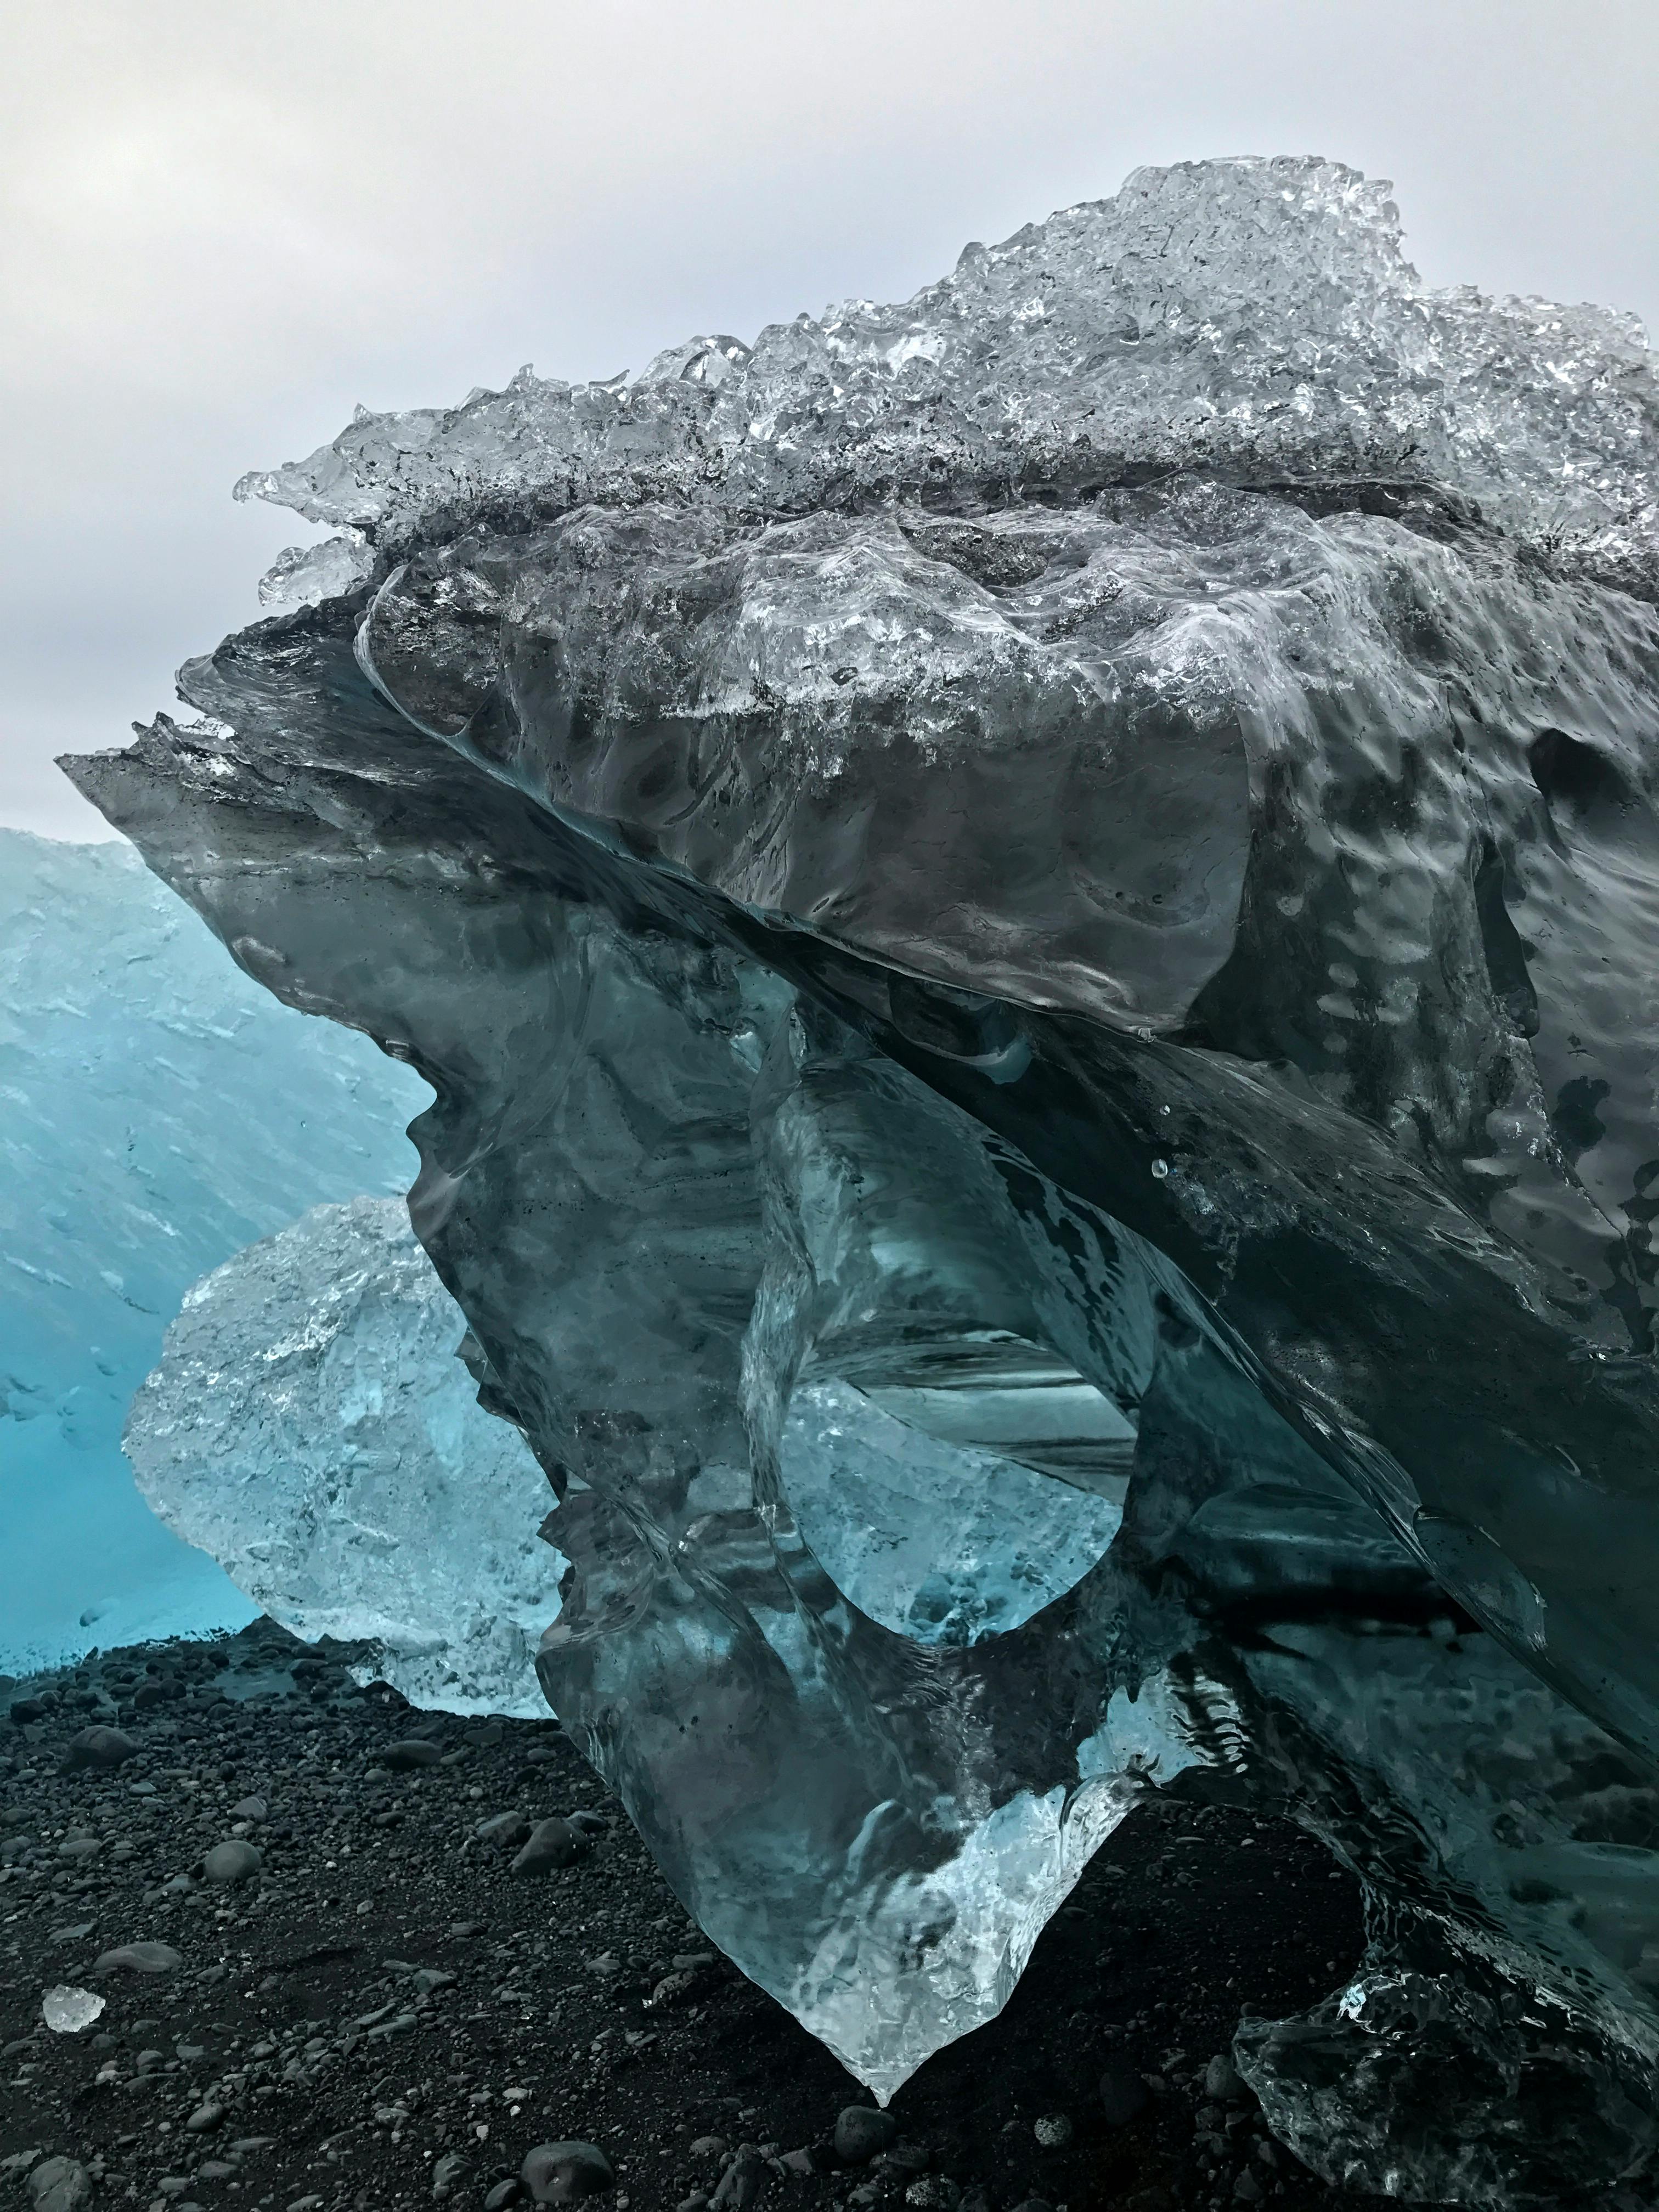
[160,1109]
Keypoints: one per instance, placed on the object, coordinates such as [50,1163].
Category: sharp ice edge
[1077,861]
[311,1427]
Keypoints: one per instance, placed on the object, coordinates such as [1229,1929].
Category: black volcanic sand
[321,2073]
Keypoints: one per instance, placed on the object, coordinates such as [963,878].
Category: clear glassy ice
[1069,868]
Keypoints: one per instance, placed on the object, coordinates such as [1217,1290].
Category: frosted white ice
[311,1427]
[1252,316]
[68,2011]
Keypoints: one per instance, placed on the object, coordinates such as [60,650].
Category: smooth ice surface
[311,1428]
[159,1110]
[1078,858]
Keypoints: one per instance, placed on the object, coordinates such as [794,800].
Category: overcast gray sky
[223,223]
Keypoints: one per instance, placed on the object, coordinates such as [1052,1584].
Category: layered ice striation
[311,1428]
[159,1110]
[1035,911]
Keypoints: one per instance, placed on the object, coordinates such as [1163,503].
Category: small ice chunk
[67,2010]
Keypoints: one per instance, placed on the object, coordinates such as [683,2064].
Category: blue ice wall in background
[157,1112]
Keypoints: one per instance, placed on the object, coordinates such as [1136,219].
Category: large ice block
[1070,865]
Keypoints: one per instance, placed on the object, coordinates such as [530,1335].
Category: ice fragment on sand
[66,2010]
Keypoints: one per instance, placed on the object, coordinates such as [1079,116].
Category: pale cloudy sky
[222,222]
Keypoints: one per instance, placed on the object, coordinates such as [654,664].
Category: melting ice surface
[1070,867]
[160,1109]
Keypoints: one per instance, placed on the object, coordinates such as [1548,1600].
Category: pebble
[1053,2130]
[861,2131]
[710,2146]
[98,1747]
[1224,2083]
[405,1758]
[1123,2096]
[138,1959]
[588,1824]
[450,2170]
[232,1861]
[79,1849]
[251,1808]
[936,2192]
[504,2193]
[59,2185]
[560,2172]
[551,1843]
[504,1830]
[25,1711]
[740,2183]
[205,2118]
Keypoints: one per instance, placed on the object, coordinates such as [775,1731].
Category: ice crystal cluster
[1031,915]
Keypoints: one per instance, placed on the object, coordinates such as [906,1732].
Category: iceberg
[160,1109]
[1029,916]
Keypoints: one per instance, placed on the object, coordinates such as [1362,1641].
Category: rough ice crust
[1255,320]
[311,1426]
[1077,860]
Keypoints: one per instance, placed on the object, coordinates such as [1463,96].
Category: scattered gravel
[447,1972]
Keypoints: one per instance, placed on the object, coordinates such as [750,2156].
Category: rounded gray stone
[552,1843]
[1224,2083]
[407,1756]
[507,1830]
[861,2131]
[100,1747]
[235,1860]
[138,1959]
[564,2172]
[59,2185]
